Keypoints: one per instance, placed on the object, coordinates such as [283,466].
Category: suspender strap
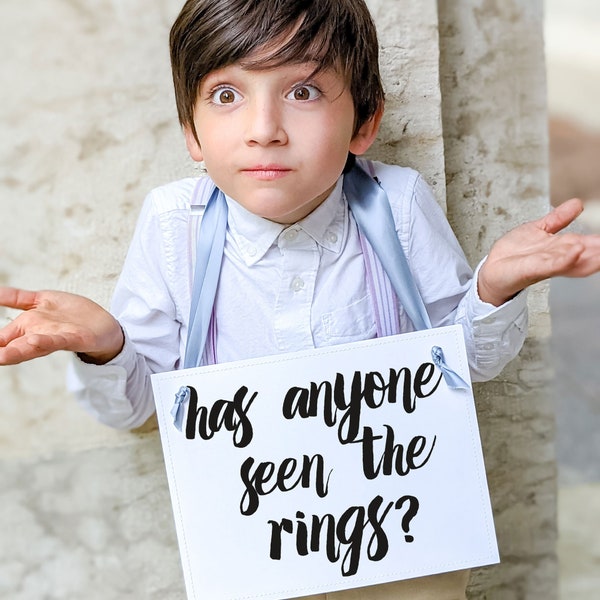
[384,300]
[209,255]
[371,209]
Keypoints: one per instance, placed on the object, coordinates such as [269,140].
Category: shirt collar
[327,223]
[254,235]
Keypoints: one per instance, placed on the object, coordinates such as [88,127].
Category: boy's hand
[533,252]
[53,321]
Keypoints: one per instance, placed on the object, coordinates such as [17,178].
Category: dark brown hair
[338,34]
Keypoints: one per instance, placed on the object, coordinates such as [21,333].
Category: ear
[192,143]
[366,135]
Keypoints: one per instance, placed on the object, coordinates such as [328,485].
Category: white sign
[327,469]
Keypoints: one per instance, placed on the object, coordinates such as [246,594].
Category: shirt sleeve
[494,334]
[448,286]
[115,394]
[119,394]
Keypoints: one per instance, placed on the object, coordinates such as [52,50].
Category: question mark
[408,515]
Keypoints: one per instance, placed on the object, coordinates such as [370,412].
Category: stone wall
[88,126]
[495,135]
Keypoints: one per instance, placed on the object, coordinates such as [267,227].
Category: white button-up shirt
[291,288]
[283,288]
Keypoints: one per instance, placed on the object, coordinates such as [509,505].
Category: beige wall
[88,126]
[494,118]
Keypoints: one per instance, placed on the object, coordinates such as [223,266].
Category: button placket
[299,263]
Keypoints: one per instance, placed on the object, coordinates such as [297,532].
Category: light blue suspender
[209,255]
[371,210]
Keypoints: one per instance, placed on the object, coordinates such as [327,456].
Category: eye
[225,95]
[304,92]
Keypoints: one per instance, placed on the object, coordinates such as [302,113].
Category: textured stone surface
[411,130]
[494,117]
[94,524]
[87,127]
[579,516]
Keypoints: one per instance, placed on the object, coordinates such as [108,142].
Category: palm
[53,321]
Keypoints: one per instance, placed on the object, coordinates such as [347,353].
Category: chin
[271,209]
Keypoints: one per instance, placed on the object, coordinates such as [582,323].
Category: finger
[19,351]
[588,263]
[9,333]
[562,216]
[17,298]
[571,256]
[551,262]
[26,348]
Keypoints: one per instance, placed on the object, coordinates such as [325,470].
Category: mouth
[268,172]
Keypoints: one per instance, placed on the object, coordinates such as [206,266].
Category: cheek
[218,142]
[334,146]
[339,133]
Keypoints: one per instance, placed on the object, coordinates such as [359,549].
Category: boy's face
[276,140]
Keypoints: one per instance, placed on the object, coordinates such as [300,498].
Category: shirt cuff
[101,389]
[487,314]
[498,332]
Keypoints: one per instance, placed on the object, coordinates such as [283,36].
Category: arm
[151,302]
[53,321]
[493,335]
[111,379]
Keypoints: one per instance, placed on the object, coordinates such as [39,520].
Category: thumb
[562,216]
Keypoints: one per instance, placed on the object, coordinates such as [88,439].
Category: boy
[273,96]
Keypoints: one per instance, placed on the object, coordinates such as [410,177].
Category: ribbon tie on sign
[453,380]
[177,410]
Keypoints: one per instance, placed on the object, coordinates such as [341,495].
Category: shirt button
[297,284]
[332,237]
[291,234]
[251,251]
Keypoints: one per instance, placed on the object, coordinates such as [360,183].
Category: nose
[264,123]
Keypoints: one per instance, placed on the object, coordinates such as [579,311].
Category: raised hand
[536,251]
[53,321]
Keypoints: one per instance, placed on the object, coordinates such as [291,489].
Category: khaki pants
[447,586]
